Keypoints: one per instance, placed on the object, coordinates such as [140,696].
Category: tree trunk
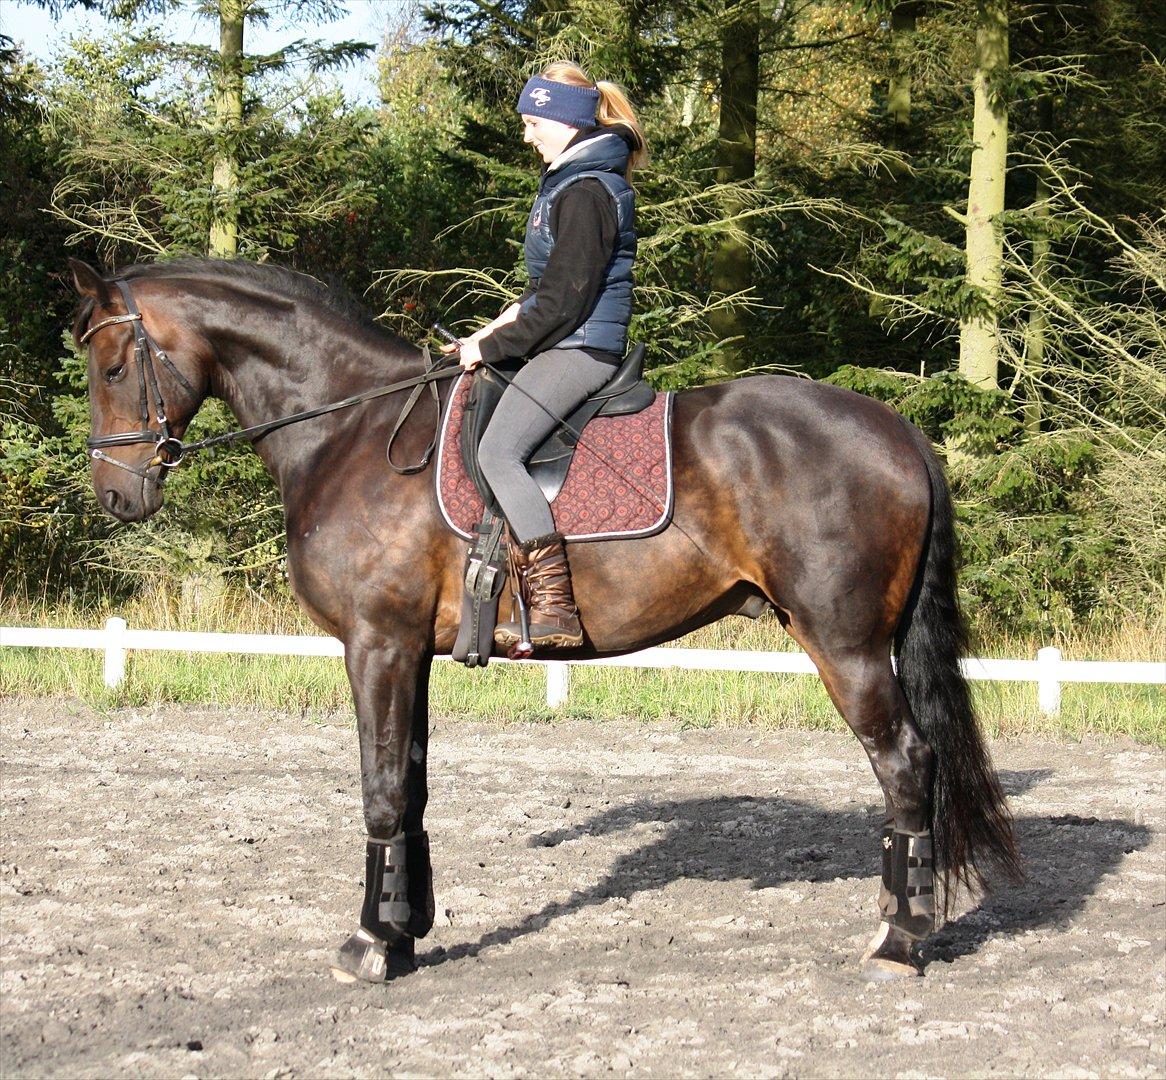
[1036,332]
[899,84]
[902,27]
[732,269]
[979,333]
[224,236]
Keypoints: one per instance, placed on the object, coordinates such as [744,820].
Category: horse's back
[768,427]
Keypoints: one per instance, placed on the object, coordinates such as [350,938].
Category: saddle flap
[485,393]
[622,487]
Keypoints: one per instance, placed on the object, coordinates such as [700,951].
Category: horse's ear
[88,282]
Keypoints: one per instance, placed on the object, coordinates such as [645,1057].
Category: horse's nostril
[112,498]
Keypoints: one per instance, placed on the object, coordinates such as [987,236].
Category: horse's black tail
[971,824]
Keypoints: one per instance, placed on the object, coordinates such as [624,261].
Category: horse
[792,496]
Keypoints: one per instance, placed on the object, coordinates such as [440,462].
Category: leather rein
[169,450]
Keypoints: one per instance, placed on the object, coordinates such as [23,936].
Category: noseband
[168,450]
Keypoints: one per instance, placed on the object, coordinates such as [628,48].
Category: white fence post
[1048,686]
[115,651]
[558,683]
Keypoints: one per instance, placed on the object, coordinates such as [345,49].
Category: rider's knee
[497,454]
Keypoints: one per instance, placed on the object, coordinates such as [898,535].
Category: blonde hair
[613,108]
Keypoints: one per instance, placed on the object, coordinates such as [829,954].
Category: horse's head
[148,374]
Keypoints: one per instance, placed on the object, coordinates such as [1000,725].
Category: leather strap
[410,401]
[258,430]
[113,320]
[484,579]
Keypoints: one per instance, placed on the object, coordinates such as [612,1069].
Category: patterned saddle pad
[619,483]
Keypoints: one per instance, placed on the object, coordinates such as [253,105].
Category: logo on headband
[540,97]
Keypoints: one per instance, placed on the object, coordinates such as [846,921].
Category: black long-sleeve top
[584,225]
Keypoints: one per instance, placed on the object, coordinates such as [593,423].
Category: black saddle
[624,394]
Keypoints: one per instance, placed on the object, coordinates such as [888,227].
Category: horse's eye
[114,373]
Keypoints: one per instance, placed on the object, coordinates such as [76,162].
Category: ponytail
[614,107]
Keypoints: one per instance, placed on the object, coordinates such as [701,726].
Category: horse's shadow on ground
[777,841]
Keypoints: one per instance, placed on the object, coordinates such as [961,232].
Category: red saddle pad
[619,483]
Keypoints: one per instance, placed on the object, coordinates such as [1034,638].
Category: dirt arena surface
[613,898]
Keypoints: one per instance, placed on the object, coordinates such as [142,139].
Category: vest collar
[603,150]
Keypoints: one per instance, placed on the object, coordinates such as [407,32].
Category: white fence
[1048,670]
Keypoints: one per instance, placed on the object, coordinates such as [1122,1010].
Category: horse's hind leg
[863,686]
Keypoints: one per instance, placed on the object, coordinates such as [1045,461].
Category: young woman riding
[571,322]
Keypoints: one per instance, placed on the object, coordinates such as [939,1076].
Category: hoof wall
[878,970]
[365,958]
[890,955]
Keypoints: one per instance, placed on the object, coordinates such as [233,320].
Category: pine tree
[732,262]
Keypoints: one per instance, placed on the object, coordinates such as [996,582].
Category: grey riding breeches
[557,380]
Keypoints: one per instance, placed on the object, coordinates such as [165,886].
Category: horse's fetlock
[907,891]
[398,889]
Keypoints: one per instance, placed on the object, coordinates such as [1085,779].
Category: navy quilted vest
[604,157]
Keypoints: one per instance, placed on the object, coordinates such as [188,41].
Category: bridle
[169,450]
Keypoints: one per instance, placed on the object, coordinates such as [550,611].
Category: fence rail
[116,640]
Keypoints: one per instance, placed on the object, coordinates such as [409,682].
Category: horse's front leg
[390,685]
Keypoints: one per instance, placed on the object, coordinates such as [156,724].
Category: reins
[169,450]
[434,370]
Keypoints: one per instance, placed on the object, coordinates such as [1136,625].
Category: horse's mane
[285,283]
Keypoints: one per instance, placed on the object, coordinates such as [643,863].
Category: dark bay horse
[817,502]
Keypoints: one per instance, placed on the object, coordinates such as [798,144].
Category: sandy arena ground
[613,899]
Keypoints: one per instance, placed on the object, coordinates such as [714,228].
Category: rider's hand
[451,347]
[471,355]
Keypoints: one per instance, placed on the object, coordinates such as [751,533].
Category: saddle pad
[619,483]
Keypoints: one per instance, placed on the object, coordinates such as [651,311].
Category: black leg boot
[398,908]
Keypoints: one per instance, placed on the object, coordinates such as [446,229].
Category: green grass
[316,687]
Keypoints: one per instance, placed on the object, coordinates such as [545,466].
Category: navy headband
[573,105]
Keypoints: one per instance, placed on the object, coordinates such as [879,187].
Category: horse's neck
[273,367]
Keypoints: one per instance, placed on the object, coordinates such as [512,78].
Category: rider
[571,321]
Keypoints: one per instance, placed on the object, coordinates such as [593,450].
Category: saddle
[625,393]
[486,563]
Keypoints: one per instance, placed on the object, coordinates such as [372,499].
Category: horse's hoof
[877,970]
[890,955]
[366,958]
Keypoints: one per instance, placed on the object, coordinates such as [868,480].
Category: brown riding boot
[546,582]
